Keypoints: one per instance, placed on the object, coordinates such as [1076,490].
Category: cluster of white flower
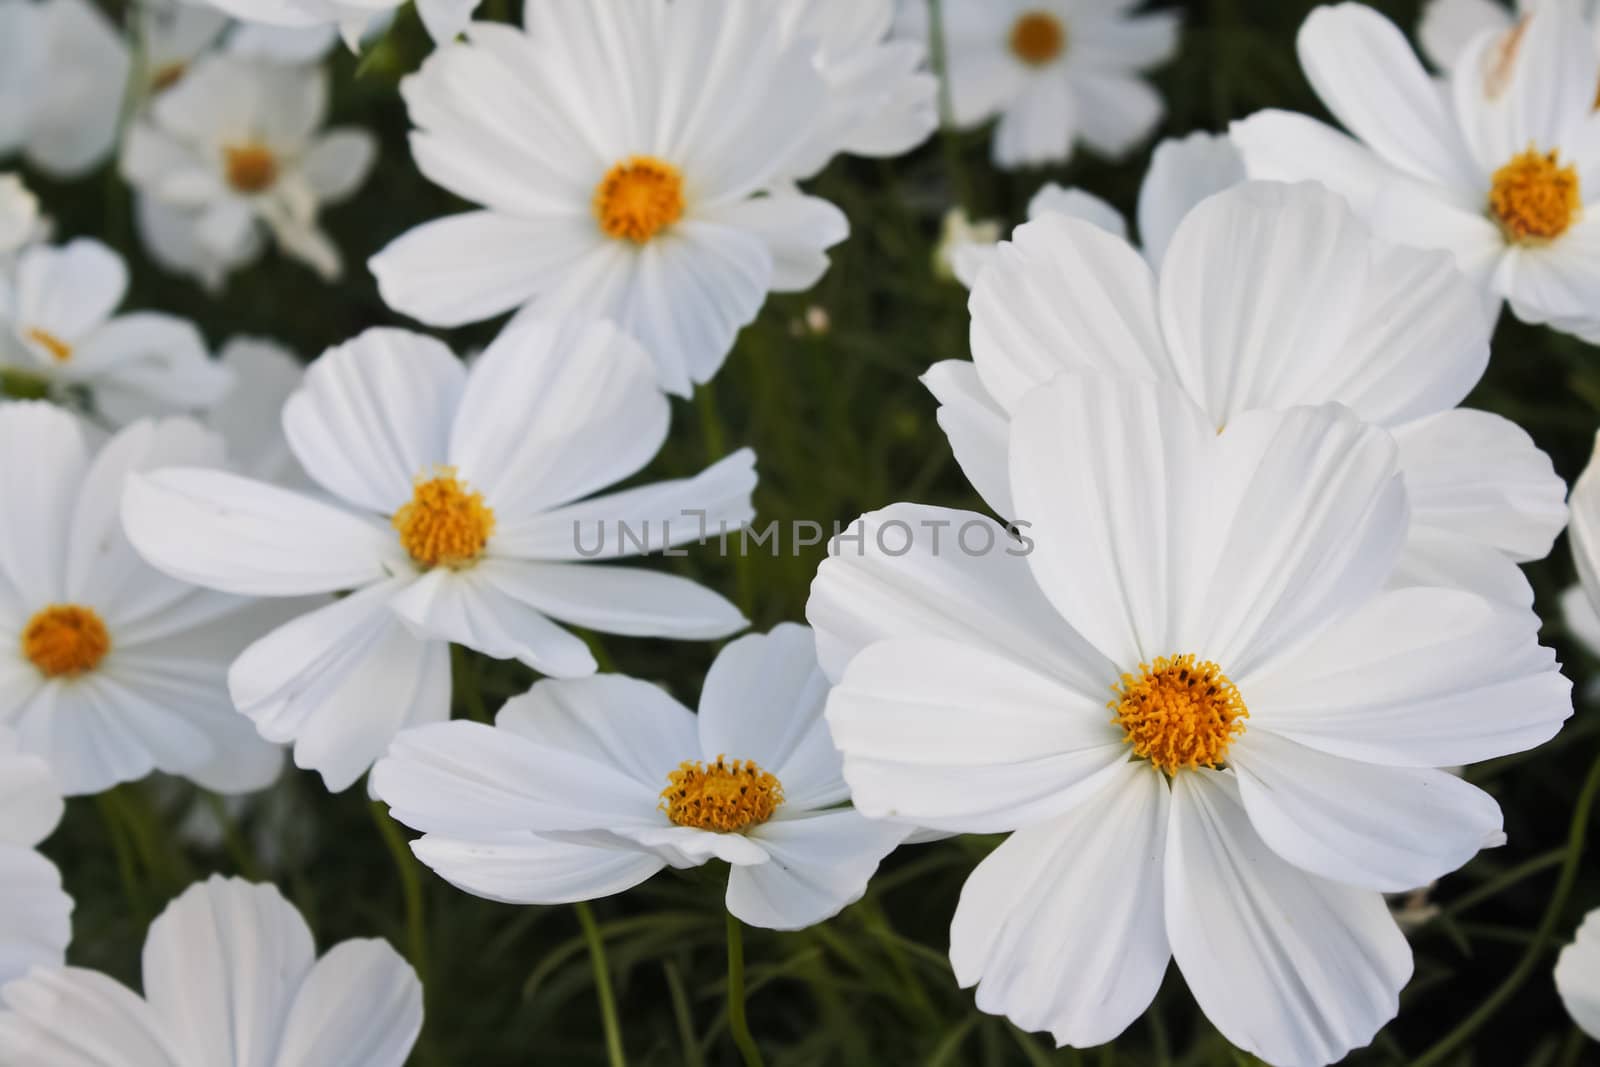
[1269,602]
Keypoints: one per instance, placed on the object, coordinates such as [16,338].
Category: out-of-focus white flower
[1500,166]
[1056,72]
[19,216]
[171,37]
[1269,765]
[63,76]
[961,243]
[461,511]
[1578,976]
[231,979]
[238,145]
[600,199]
[109,669]
[601,782]
[59,327]
[1270,296]
[250,415]
[882,102]
[355,20]
[35,912]
[1448,26]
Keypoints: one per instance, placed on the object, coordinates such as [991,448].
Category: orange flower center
[251,168]
[1038,37]
[65,640]
[445,524]
[1534,198]
[1178,713]
[725,797]
[638,198]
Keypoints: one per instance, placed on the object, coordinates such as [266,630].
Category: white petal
[1436,557]
[1384,828]
[241,536]
[1283,146]
[71,1017]
[910,571]
[1063,295]
[1581,619]
[221,969]
[43,461]
[1182,173]
[1115,111]
[338,163]
[1061,927]
[953,737]
[1448,26]
[616,600]
[1052,199]
[817,866]
[529,869]
[976,427]
[250,416]
[361,1003]
[1037,124]
[37,921]
[77,113]
[374,414]
[798,231]
[70,290]
[1158,536]
[29,795]
[1288,966]
[555,410]
[1361,66]
[1578,976]
[1480,475]
[1417,678]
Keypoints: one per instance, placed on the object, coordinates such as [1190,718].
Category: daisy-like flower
[237,146]
[458,514]
[111,670]
[35,912]
[1578,976]
[1211,732]
[587,787]
[231,979]
[1500,168]
[637,179]
[882,103]
[1270,296]
[63,76]
[60,331]
[1182,173]
[1056,72]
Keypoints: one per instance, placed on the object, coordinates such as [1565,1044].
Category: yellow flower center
[251,168]
[65,640]
[1178,713]
[167,76]
[725,797]
[59,349]
[445,524]
[1534,198]
[638,198]
[1038,37]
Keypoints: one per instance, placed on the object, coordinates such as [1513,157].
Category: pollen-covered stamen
[250,167]
[726,797]
[65,640]
[1038,37]
[59,350]
[1178,713]
[638,198]
[445,524]
[1534,198]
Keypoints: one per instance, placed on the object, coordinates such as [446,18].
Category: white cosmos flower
[1270,296]
[59,326]
[109,669]
[1056,72]
[587,787]
[63,76]
[35,912]
[1578,976]
[1500,167]
[882,103]
[231,979]
[458,513]
[629,158]
[1266,768]
[237,146]
[1182,173]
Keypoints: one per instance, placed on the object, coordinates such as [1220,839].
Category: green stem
[705,401]
[949,137]
[123,849]
[410,886]
[738,1025]
[602,985]
[1547,926]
